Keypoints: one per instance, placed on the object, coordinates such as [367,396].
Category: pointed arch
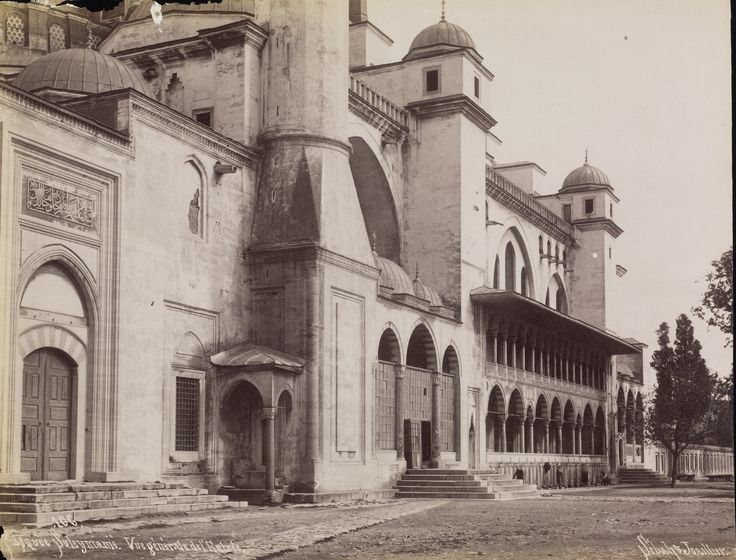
[510,267]
[496,274]
[389,348]
[450,361]
[421,352]
[514,248]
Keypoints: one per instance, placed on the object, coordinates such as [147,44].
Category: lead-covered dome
[393,276]
[84,71]
[443,35]
[586,176]
[143,10]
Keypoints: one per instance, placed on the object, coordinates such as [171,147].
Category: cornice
[504,194]
[606,224]
[453,104]
[391,131]
[192,132]
[54,114]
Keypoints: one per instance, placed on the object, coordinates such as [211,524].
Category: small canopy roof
[526,309]
[253,357]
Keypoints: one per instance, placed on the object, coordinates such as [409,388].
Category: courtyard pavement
[615,522]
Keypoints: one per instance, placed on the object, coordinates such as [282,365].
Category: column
[592,443]
[512,339]
[399,410]
[504,350]
[269,412]
[434,461]
[503,433]
[523,435]
[494,346]
[578,439]
[523,354]
[531,436]
[534,357]
[546,436]
[559,437]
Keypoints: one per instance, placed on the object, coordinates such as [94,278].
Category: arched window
[524,280]
[496,273]
[557,253]
[510,277]
[487,214]
[541,246]
[15,30]
[549,249]
[57,38]
[564,258]
[546,298]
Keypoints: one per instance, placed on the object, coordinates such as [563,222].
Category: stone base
[254,496]
[109,477]
[329,497]
[15,478]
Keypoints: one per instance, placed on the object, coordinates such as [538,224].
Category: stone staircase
[642,476]
[461,484]
[42,504]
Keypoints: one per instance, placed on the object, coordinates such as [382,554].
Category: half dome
[84,71]
[586,175]
[441,36]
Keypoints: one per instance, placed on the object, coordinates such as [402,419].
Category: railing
[527,200]
[542,381]
[378,102]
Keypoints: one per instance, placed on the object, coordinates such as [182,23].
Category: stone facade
[298,270]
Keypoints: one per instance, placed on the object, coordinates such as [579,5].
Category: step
[515,495]
[33,520]
[437,471]
[505,483]
[50,488]
[445,495]
[64,507]
[443,483]
[463,489]
[439,477]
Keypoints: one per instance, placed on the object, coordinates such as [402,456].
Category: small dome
[443,35]
[586,175]
[426,293]
[393,276]
[143,10]
[79,70]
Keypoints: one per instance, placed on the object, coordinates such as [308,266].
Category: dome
[586,175]
[442,35]
[426,293]
[393,276]
[143,10]
[79,70]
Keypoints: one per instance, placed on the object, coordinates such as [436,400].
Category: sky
[645,87]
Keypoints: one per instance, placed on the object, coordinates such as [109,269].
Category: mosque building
[253,247]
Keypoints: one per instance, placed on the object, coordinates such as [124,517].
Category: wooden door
[46,418]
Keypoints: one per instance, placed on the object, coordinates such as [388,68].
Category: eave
[528,310]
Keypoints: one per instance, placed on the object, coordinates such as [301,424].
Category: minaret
[308,231]
[306,191]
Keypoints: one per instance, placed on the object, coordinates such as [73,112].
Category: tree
[719,421]
[682,394]
[716,307]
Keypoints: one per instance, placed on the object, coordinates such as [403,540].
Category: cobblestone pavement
[255,532]
[570,528]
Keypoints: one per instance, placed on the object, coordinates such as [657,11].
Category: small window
[203,116]
[15,30]
[432,80]
[567,213]
[589,205]
[57,38]
[610,209]
[187,414]
[610,253]
[476,86]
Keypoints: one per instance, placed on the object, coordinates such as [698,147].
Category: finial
[417,274]
[442,18]
[373,242]
[586,155]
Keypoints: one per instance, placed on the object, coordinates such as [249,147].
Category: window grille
[433,80]
[385,408]
[15,32]
[187,414]
[57,38]
[447,413]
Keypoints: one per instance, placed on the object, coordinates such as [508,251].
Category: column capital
[399,370]
[269,412]
[436,377]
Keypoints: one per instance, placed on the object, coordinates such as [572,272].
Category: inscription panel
[74,206]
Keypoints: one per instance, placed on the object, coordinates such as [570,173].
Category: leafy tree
[716,307]
[719,422]
[682,394]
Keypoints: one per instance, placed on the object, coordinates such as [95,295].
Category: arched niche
[376,200]
[513,251]
[51,289]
